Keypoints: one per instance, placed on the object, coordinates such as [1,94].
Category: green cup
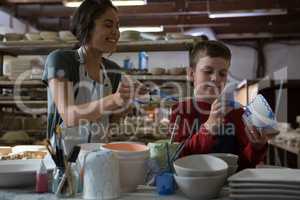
[158,151]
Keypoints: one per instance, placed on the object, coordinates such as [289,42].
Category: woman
[206,122]
[83,86]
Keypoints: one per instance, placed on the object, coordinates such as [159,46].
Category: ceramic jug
[101,179]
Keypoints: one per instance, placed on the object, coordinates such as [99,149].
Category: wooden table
[286,148]
[140,194]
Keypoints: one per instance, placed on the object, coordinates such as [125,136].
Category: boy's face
[209,77]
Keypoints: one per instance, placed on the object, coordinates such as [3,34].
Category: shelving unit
[26,102]
[44,49]
[15,49]
[26,83]
[160,77]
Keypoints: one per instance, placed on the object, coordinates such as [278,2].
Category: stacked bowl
[230,159]
[200,176]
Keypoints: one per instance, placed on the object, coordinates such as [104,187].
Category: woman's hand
[216,116]
[125,92]
[128,89]
[140,88]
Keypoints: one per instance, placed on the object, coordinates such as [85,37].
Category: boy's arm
[250,155]
[202,142]
[199,143]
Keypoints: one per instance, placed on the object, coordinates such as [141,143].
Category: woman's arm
[63,95]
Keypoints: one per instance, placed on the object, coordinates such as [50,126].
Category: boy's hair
[209,48]
[83,21]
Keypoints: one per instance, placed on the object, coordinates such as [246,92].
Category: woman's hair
[83,21]
[209,48]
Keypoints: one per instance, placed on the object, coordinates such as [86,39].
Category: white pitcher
[101,179]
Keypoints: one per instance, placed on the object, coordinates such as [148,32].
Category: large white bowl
[201,187]
[132,157]
[132,174]
[200,165]
[229,158]
[128,150]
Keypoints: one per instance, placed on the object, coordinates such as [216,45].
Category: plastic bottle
[41,179]
[127,64]
[143,60]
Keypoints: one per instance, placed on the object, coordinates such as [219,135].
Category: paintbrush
[66,177]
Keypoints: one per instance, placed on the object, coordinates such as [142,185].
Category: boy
[212,125]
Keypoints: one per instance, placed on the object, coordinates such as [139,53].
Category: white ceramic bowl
[200,165]
[49,35]
[13,36]
[232,169]
[23,148]
[229,158]
[66,36]
[33,36]
[177,71]
[157,71]
[201,187]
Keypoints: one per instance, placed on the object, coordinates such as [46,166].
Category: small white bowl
[201,187]
[232,169]
[49,35]
[33,36]
[229,158]
[200,165]
[157,71]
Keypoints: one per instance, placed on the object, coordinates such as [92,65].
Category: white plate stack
[275,184]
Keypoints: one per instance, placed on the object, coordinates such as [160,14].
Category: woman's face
[209,77]
[106,32]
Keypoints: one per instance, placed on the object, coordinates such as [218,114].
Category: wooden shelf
[27,102]
[160,45]
[134,46]
[27,83]
[292,149]
[27,130]
[160,77]
[35,83]
[34,49]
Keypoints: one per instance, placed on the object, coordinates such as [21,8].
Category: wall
[10,24]
[243,64]
[166,59]
[282,55]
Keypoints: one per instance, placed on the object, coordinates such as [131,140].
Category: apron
[89,90]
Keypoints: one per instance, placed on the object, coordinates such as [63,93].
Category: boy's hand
[217,114]
[257,139]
